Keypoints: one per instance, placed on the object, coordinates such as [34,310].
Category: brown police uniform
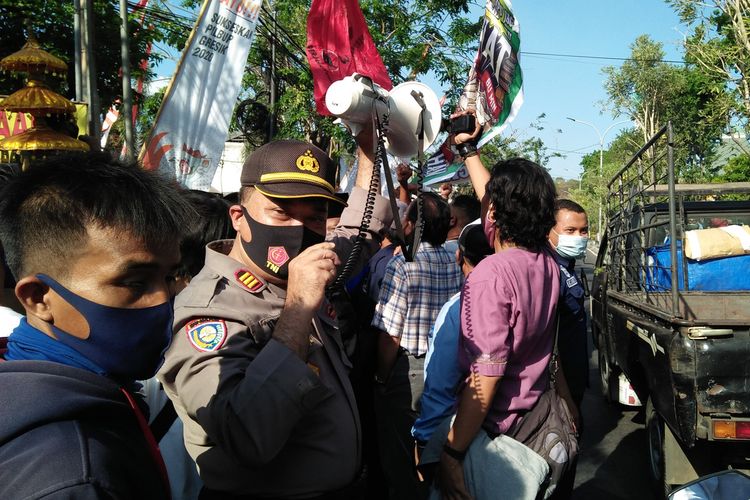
[258,420]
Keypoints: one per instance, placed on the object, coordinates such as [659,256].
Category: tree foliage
[52,23]
[720,45]
[737,169]
[652,92]
[594,184]
[640,88]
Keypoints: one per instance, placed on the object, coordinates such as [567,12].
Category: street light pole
[601,163]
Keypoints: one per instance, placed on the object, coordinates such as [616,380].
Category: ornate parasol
[34,60]
[37,100]
[42,138]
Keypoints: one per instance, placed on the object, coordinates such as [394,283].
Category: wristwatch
[466,150]
[454,453]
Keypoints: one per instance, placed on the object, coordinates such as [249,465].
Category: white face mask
[571,247]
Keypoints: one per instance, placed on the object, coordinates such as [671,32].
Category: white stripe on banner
[192,124]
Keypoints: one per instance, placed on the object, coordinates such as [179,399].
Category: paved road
[613,459]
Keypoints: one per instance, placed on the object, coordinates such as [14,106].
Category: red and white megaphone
[354,99]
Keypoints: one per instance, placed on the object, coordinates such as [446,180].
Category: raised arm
[478,174]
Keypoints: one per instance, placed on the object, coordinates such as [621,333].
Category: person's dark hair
[469,206]
[45,211]
[212,223]
[8,171]
[232,198]
[473,245]
[564,204]
[523,195]
[437,218]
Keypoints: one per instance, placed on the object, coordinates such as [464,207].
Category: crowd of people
[174,344]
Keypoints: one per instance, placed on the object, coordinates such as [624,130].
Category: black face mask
[272,247]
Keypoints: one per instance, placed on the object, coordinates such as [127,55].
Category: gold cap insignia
[308,162]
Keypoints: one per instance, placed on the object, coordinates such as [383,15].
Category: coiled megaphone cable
[380,128]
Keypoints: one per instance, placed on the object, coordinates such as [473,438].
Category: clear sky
[564,87]
[571,87]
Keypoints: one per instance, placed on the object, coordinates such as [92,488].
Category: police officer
[569,238]
[256,369]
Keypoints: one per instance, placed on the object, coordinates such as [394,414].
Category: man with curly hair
[508,313]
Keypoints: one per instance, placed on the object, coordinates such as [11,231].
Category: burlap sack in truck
[704,244]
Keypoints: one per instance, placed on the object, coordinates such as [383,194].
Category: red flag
[339,44]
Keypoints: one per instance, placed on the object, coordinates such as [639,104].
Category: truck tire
[656,454]
[608,375]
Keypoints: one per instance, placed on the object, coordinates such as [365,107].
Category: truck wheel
[609,376]
[655,436]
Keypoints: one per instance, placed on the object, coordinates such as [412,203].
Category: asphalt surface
[613,461]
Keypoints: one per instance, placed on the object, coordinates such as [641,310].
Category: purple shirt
[508,312]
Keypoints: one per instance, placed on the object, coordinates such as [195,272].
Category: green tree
[699,112]
[594,186]
[52,23]
[640,88]
[720,45]
[652,92]
[737,169]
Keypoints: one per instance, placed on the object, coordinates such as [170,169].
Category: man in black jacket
[92,244]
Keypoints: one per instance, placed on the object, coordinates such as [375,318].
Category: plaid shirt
[413,293]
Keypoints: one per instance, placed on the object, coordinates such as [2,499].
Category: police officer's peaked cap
[290,169]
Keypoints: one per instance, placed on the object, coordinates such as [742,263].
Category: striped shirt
[413,294]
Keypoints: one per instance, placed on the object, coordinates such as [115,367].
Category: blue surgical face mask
[571,247]
[127,344]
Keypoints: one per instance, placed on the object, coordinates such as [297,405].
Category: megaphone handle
[420,175]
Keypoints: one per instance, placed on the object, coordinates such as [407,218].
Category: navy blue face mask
[128,344]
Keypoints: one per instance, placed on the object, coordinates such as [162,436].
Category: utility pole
[601,165]
[77,48]
[272,100]
[89,68]
[127,97]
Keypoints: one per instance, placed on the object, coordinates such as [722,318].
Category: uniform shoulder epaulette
[249,281]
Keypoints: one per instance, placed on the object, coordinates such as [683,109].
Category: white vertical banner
[192,124]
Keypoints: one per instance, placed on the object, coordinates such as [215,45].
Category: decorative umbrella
[34,60]
[42,138]
[37,100]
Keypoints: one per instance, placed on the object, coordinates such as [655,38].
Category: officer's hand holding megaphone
[310,273]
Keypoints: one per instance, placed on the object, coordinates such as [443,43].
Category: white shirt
[9,320]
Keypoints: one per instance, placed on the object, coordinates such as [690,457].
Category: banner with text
[192,124]
[494,88]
